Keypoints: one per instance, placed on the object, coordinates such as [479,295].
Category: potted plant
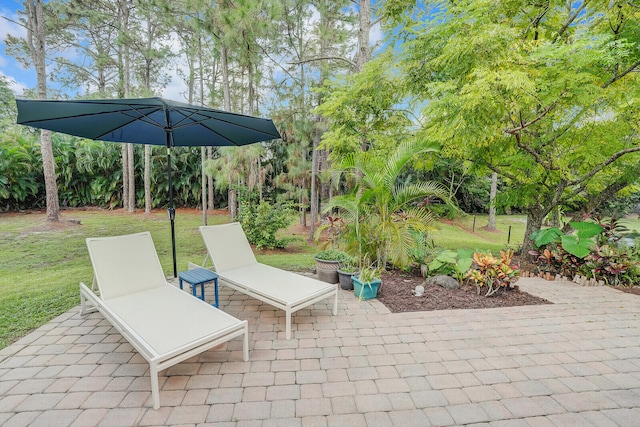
[346,271]
[367,282]
[327,263]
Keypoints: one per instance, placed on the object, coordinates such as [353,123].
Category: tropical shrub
[381,214]
[564,253]
[19,179]
[261,222]
[452,263]
[615,266]
[592,252]
[493,273]
[578,244]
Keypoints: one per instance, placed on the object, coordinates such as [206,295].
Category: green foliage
[19,179]
[591,252]
[261,222]
[364,111]
[380,213]
[579,245]
[616,266]
[545,236]
[349,265]
[331,255]
[452,263]
[7,104]
[333,227]
[90,173]
[514,86]
[368,276]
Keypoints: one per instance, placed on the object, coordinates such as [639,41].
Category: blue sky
[9,67]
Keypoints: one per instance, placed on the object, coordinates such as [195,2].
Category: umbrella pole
[171,210]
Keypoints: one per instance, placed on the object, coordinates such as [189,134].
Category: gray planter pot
[327,271]
[345,279]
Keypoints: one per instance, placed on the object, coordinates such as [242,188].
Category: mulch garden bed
[396,293]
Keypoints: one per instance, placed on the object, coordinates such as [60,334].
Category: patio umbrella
[153,121]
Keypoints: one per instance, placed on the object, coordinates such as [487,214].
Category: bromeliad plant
[492,272]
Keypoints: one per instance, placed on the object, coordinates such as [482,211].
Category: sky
[20,78]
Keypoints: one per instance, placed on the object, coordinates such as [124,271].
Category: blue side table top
[197,276]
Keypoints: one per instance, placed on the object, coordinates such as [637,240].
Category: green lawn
[460,233]
[41,266]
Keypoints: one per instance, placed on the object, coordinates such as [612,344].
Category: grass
[461,233]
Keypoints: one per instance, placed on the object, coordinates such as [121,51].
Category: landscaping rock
[442,280]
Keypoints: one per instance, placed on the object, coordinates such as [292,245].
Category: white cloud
[375,34]
[17,88]
[8,20]
[176,90]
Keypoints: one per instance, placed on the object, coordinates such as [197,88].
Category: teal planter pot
[365,291]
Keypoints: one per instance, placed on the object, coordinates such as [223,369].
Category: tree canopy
[542,93]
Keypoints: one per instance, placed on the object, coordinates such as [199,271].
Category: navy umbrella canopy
[153,121]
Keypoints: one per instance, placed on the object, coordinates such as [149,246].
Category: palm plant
[381,212]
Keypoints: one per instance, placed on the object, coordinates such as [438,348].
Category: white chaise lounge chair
[164,324]
[236,265]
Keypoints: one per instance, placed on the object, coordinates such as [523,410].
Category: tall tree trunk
[364,18]
[203,150]
[37,46]
[233,203]
[124,91]
[315,159]
[492,202]
[49,171]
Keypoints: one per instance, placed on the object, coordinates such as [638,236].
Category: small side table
[199,276]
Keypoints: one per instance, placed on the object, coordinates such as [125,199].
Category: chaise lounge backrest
[228,246]
[138,268]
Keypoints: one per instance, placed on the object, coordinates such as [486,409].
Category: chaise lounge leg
[83,305]
[335,303]
[155,390]
[288,324]
[245,350]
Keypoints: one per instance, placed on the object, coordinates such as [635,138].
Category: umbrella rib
[202,123]
[143,118]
